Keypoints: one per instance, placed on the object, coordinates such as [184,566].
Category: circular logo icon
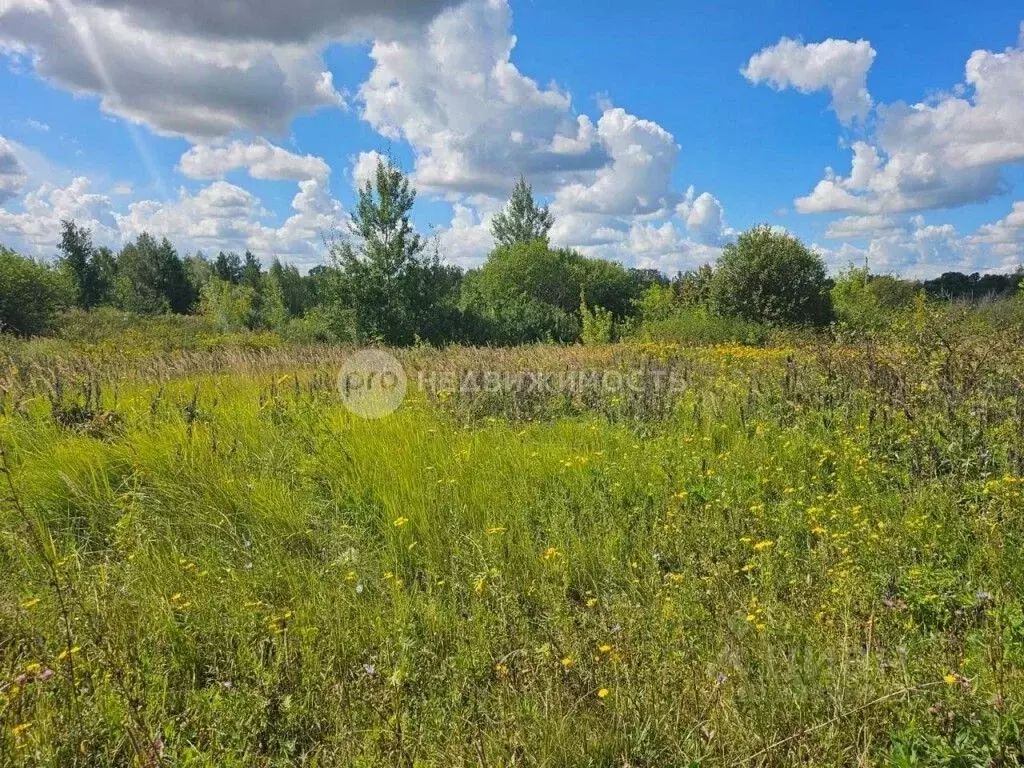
[372,383]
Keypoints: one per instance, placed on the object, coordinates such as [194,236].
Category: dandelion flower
[567,662]
[603,693]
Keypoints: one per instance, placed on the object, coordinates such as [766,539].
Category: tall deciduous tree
[151,278]
[77,259]
[521,221]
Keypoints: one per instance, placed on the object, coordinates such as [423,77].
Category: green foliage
[235,307]
[697,326]
[228,267]
[394,289]
[694,287]
[956,286]
[607,284]
[657,303]
[252,271]
[854,303]
[228,306]
[521,221]
[866,303]
[104,269]
[152,279]
[31,295]
[295,290]
[78,261]
[597,324]
[771,277]
[804,556]
[679,313]
[385,285]
[529,292]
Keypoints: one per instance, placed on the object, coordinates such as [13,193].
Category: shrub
[31,295]
[598,325]
[698,325]
[771,277]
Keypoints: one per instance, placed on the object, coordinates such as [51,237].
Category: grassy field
[806,556]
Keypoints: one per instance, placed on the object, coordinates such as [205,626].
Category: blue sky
[655,131]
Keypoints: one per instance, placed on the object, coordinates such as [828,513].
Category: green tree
[657,303]
[228,306]
[529,292]
[294,288]
[382,274]
[607,284]
[521,221]
[228,267]
[31,295]
[693,288]
[151,278]
[199,271]
[771,277]
[252,271]
[105,270]
[76,259]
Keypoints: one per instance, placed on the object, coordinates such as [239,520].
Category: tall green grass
[790,565]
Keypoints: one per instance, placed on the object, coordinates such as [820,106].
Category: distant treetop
[521,221]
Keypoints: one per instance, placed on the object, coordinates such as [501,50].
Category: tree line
[382,282]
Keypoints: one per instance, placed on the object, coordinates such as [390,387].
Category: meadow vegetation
[808,553]
[780,525]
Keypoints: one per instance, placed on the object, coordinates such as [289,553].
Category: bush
[869,304]
[322,325]
[698,325]
[771,277]
[598,325]
[31,295]
[528,292]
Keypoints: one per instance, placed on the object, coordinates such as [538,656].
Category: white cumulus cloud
[168,80]
[262,159]
[838,66]
[944,152]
